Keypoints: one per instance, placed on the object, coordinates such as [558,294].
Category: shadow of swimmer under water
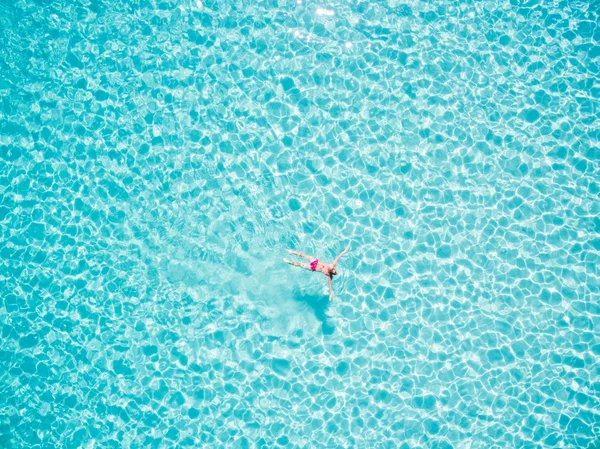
[319,304]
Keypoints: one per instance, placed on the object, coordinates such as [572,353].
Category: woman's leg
[298,264]
[299,254]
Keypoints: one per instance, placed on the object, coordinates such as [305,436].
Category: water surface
[158,157]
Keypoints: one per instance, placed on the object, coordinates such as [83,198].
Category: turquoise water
[157,158]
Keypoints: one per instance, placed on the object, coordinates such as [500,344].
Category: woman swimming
[316,265]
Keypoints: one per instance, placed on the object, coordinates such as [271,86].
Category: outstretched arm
[330,288]
[337,259]
[296,253]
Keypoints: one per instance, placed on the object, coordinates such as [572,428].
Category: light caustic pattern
[158,157]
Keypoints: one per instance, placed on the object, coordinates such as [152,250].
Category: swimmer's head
[333,272]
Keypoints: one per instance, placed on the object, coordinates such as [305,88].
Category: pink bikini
[313,265]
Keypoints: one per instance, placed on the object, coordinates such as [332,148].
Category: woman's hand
[337,259]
